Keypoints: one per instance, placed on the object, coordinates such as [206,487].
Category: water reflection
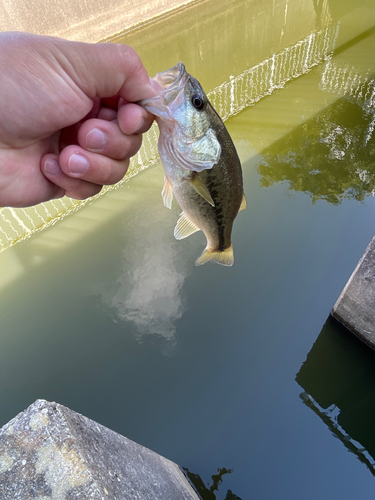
[323,12]
[217,479]
[330,157]
[338,378]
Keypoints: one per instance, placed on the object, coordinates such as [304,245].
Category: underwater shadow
[208,493]
[338,379]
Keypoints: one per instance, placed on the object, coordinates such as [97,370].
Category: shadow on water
[338,378]
[330,157]
[209,493]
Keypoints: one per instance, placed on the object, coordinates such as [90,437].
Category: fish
[202,169]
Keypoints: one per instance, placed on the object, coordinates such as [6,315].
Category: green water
[234,373]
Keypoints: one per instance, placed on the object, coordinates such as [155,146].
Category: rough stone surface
[49,451]
[355,307]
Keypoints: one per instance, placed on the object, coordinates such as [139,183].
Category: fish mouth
[169,85]
[171,78]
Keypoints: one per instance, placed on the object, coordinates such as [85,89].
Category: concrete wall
[84,20]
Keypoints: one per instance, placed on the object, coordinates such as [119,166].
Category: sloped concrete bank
[50,451]
[355,308]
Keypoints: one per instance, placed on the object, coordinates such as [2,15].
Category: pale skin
[68,118]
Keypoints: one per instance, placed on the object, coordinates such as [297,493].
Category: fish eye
[197,101]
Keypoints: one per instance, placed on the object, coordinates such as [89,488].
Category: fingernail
[95,139]
[77,164]
[52,167]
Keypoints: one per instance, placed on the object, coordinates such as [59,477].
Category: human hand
[68,122]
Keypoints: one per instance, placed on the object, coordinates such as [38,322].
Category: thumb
[104,69]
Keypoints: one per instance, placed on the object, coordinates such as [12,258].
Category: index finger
[105,69]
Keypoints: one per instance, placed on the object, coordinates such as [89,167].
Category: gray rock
[355,307]
[49,451]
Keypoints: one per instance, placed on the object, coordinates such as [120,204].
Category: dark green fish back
[224,182]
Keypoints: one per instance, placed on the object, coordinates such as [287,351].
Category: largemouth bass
[201,166]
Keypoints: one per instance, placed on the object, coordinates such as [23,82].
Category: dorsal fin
[167,193]
[184,227]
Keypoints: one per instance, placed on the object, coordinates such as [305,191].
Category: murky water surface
[234,373]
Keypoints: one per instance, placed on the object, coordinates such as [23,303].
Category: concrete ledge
[49,451]
[355,308]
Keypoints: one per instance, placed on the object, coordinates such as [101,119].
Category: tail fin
[225,258]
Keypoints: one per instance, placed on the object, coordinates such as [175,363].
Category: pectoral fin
[167,193]
[201,188]
[184,227]
[243,203]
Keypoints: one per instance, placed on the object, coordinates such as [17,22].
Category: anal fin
[184,227]
[243,203]
[167,193]
[225,258]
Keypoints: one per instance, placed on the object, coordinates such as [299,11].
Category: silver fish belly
[201,165]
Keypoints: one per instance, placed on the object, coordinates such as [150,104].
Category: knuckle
[106,172]
[135,145]
[121,170]
[118,172]
[128,148]
[83,192]
[132,61]
[107,177]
